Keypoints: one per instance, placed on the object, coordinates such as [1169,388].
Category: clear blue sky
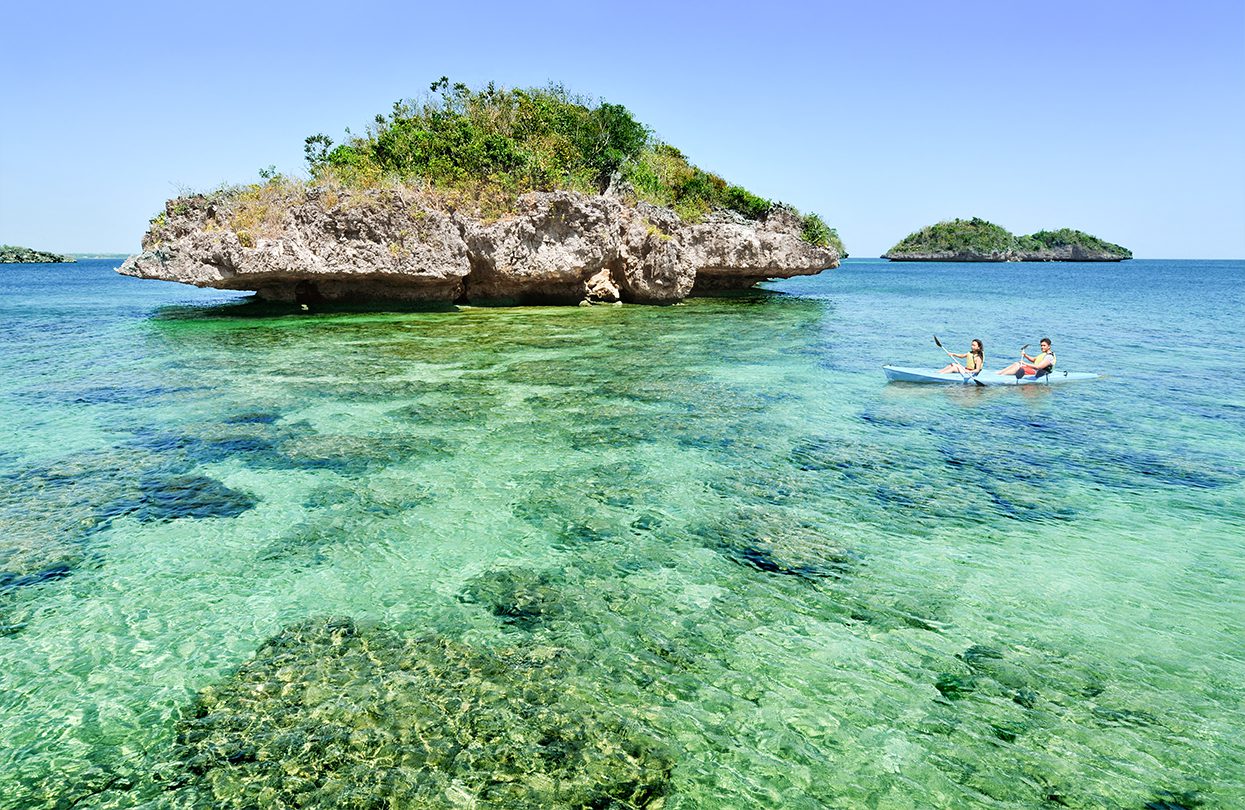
[1124,119]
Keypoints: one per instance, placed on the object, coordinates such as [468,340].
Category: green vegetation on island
[481,149]
[957,236]
[1067,237]
[978,240]
[12,254]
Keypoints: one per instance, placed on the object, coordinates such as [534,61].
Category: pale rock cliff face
[1067,253]
[557,247]
[730,252]
[377,245]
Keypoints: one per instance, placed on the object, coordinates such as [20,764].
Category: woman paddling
[974,360]
[1044,363]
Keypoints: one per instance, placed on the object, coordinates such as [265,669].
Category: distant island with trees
[12,254]
[976,240]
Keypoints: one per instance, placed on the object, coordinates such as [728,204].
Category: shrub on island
[481,149]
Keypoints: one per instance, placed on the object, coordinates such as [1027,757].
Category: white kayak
[987,377]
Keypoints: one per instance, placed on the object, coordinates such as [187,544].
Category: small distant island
[12,254]
[976,240]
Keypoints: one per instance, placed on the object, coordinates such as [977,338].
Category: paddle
[1020,372]
[963,374]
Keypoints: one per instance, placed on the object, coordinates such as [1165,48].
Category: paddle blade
[937,342]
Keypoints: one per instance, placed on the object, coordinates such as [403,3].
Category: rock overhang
[306,242]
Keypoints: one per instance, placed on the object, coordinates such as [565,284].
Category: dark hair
[980,344]
[1047,340]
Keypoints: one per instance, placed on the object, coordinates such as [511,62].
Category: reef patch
[332,713]
[520,597]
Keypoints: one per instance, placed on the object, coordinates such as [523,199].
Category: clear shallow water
[700,552]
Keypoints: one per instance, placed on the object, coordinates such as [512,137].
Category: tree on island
[482,149]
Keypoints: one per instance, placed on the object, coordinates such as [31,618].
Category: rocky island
[516,196]
[11,254]
[976,240]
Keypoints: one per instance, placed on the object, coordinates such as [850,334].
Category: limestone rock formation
[383,244]
[559,247]
[734,253]
[1072,253]
[309,243]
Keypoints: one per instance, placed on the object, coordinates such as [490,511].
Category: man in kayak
[1032,366]
[974,360]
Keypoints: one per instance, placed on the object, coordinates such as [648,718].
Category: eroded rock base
[308,245]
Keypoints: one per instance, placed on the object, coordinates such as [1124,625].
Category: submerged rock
[954,686]
[11,581]
[333,714]
[1168,800]
[163,495]
[776,541]
[310,243]
[49,512]
[520,597]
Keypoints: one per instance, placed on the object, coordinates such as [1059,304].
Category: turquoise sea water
[690,556]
